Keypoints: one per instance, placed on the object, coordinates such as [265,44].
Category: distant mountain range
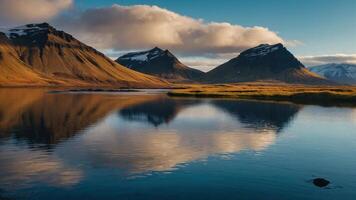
[161,63]
[341,73]
[38,54]
[262,63]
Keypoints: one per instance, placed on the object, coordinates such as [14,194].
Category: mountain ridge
[262,63]
[64,60]
[161,63]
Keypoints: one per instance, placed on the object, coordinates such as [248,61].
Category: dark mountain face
[275,58]
[36,35]
[341,73]
[160,63]
[264,62]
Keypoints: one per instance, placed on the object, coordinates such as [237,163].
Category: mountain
[161,63]
[341,73]
[264,62]
[62,59]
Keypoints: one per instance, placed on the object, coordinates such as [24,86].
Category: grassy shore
[305,94]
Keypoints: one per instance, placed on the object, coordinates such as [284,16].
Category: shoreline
[300,94]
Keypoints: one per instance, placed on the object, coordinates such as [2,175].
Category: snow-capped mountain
[56,57]
[160,63]
[143,56]
[341,73]
[264,62]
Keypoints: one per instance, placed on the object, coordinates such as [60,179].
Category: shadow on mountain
[260,115]
[156,112]
[44,120]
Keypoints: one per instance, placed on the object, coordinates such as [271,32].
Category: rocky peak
[262,50]
[36,34]
[146,56]
[28,30]
[160,63]
[276,57]
[156,49]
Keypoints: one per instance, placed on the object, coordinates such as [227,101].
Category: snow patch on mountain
[22,30]
[138,57]
[262,50]
[143,56]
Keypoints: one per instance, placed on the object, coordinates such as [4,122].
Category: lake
[145,145]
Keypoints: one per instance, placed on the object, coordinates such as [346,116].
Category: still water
[149,146]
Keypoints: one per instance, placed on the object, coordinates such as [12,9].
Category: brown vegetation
[273,91]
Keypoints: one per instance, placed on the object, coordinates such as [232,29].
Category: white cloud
[118,29]
[143,27]
[293,43]
[202,63]
[14,12]
[324,59]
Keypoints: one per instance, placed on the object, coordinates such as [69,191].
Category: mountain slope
[161,63]
[12,70]
[341,73]
[264,62]
[61,57]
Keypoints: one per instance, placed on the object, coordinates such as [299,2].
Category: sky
[202,33]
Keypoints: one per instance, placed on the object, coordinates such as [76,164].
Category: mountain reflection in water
[47,137]
[156,112]
[42,118]
[259,115]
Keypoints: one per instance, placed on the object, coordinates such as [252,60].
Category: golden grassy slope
[61,60]
[12,70]
[86,65]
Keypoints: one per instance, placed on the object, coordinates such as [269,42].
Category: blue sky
[323,26]
[202,33]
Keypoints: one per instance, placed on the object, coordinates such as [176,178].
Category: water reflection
[12,103]
[143,151]
[260,115]
[20,166]
[156,112]
[192,132]
[56,139]
[44,119]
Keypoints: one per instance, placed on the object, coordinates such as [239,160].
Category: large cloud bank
[29,11]
[142,26]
